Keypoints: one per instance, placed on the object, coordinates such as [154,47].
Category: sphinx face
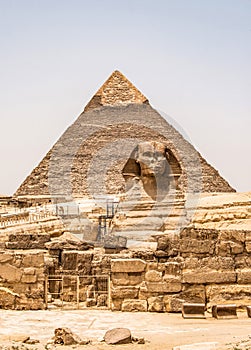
[152,159]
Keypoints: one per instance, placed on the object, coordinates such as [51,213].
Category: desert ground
[160,330]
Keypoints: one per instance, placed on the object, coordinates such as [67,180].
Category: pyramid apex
[116,90]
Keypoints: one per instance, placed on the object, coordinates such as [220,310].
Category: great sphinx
[151,166]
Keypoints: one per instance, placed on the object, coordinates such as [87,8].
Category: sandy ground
[162,331]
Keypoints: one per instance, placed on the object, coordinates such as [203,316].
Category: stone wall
[22,280]
[200,265]
[205,266]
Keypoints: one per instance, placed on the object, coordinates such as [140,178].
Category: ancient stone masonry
[177,234]
[117,112]
[22,280]
[201,266]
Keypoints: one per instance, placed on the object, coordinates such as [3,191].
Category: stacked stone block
[22,280]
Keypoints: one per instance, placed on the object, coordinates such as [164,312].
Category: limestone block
[69,260]
[155,304]
[130,305]
[124,292]
[27,240]
[188,245]
[6,257]
[248,235]
[125,279]
[213,263]
[232,235]
[36,292]
[248,246]
[163,287]
[199,233]
[172,272]
[228,294]
[172,268]
[172,303]
[189,294]
[33,259]
[84,261]
[10,273]
[29,278]
[116,304]
[169,243]
[213,276]
[242,261]
[29,271]
[154,266]
[120,278]
[163,243]
[25,303]
[128,265]
[236,247]
[172,279]
[118,336]
[223,248]
[194,293]
[153,276]
[7,298]
[243,276]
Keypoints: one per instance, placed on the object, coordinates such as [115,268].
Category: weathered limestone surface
[124,112]
[207,261]
[118,336]
[128,265]
[131,305]
[22,280]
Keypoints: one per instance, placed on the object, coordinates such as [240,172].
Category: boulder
[64,336]
[118,336]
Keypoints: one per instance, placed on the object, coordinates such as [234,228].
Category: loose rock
[118,336]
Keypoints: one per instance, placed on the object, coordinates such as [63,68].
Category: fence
[77,291]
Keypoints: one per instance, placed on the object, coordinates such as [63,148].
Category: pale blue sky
[191,58]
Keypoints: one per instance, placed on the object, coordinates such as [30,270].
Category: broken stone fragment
[64,336]
[31,341]
[138,340]
[118,336]
[67,242]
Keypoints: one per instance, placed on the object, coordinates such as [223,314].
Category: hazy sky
[191,58]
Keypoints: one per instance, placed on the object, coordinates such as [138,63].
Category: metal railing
[77,291]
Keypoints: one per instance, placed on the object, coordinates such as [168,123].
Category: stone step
[138,235]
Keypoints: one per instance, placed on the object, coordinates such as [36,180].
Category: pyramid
[89,158]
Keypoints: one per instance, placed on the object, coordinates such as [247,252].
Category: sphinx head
[149,164]
[152,159]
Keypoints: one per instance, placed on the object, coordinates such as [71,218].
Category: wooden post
[77,291]
[62,291]
[109,292]
[46,291]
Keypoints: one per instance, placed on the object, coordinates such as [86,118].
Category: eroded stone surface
[117,336]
